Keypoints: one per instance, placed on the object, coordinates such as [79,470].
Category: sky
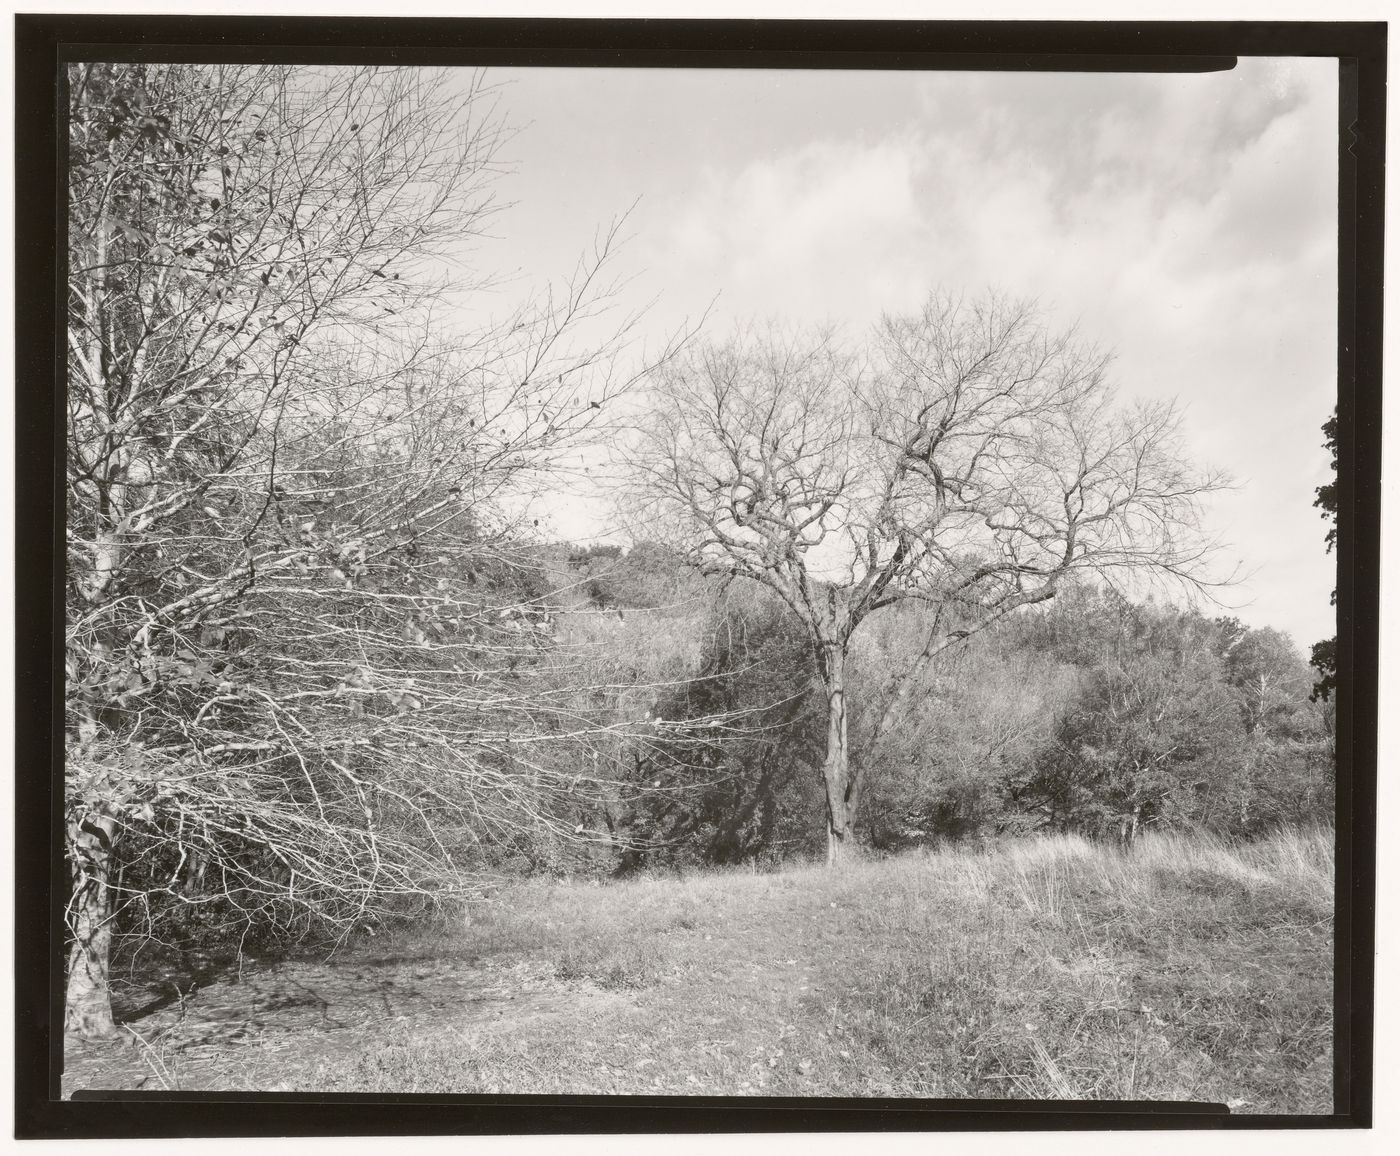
[1186,223]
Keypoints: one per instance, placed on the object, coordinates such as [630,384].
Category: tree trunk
[1128,828]
[841,798]
[88,1006]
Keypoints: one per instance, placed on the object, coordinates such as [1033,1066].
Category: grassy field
[1046,968]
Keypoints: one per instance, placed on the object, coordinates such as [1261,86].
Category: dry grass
[1049,968]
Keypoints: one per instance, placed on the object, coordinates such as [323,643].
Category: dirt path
[263,1028]
[721,1010]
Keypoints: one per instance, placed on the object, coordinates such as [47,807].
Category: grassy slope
[1044,969]
[1049,968]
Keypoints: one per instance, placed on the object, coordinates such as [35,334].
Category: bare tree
[299,628]
[972,460]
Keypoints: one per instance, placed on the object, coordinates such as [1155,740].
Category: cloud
[802,233]
[1187,222]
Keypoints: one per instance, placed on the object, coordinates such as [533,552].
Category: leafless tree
[971,459]
[299,630]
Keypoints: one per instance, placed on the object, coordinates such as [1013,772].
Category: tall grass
[1184,968]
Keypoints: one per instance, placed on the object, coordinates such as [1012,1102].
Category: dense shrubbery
[741,787]
[1095,714]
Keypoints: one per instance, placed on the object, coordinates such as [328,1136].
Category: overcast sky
[1187,223]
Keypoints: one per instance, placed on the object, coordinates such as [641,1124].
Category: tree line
[321,671]
[1091,713]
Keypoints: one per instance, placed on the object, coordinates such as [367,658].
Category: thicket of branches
[305,658]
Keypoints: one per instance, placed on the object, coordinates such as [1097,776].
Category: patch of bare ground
[269,1026]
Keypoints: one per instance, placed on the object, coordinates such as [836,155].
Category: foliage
[649,576]
[1178,721]
[1324,653]
[1148,729]
[738,788]
[973,720]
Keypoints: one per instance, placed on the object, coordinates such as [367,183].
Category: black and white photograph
[751,582]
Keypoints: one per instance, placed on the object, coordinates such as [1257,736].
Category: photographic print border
[45,42]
